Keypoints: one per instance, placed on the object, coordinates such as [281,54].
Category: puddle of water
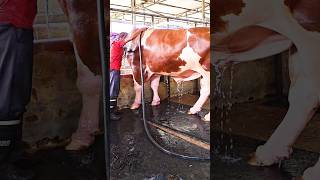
[230,159]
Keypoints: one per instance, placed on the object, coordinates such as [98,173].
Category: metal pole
[104,47]
[152,21]
[133,12]
[203,11]
[148,14]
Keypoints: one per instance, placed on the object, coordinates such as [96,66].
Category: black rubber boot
[114,116]
[10,154]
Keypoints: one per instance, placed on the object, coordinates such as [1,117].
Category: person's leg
[16,56]
[114,93]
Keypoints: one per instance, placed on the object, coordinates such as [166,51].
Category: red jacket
[20,13]
[116,54]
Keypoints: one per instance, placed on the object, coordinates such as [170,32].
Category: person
[116,54]
[16,61]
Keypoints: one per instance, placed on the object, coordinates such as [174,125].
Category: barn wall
[127,93]
[255,80]
[55,102]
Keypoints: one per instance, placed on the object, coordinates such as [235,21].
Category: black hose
[105,86]
[155,143]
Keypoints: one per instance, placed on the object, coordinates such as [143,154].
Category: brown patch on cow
[199,41]
[163,48]
[82,17]
[307,13]
[243,39]
[291,4]
[222,8]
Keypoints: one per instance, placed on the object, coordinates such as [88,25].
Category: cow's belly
[254,12]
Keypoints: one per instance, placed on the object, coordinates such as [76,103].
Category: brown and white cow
[183,54]
[245,30]
[83,21]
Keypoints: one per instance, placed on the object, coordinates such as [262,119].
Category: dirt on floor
[133,157]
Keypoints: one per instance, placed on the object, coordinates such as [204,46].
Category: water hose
[104,58]
[146,128]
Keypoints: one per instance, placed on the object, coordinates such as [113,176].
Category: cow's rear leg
[303,102]
[312,173]
[137,100]
[204,94]
[89,86]
[155,80]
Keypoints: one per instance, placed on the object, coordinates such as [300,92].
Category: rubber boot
[114,115]
[10,141]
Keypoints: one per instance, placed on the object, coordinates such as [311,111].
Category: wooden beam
[183,136]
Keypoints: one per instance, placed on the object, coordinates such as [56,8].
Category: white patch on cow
[253,13]
[148,71]
[145,36]
[189,56]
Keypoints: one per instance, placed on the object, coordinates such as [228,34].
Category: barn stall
[176,99]
[54,110]
[250,99]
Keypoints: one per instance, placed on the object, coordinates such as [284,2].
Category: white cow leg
[89,86]
[137,100]
[155,86]
[303,102]
[312,173]
[204,94]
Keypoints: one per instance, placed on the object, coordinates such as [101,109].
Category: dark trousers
[16,55]
[114,87]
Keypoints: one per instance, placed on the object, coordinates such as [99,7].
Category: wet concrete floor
[248,126]
[133,157]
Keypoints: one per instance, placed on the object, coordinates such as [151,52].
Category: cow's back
[162,48]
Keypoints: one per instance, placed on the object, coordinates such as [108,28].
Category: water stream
[223,101]
[180,94]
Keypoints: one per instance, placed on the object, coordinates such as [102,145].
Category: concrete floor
[132,154]
[59,164]
[249,125]
[134,157]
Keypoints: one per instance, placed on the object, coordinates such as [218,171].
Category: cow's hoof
[255,161]
[77,146]
[194,110]
[155,103]
[135,106]
[207,117]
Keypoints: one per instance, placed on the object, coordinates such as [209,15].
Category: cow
[183,54]
[246,30]
[83,22]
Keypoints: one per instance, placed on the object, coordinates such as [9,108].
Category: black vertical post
[104,57]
